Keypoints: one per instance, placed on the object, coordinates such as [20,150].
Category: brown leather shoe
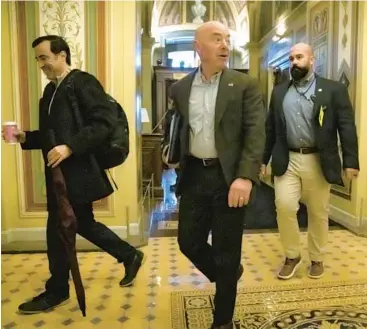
[289,268]
[223,326]
[316,270]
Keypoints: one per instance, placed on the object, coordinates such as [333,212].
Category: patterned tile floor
[146,305]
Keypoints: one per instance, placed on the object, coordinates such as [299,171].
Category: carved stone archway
[169,16]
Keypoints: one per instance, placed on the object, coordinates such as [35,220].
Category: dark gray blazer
[338,117]
[239,124]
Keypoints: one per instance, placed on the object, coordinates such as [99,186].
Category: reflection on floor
[164,217]
[299,303]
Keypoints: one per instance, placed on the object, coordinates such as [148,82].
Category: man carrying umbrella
[70,150]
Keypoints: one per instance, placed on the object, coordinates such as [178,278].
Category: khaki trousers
[303,181]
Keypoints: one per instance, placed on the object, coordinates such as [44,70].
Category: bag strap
[70,87]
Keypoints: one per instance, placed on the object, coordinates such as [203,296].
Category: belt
[304,150]
[205,162]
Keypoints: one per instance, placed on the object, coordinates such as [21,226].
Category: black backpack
[114,151]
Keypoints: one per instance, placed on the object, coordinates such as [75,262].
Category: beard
[298,73]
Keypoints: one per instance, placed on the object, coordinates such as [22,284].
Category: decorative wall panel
[344,69]
[65,18]
[78,22]
[319,36]
[301,35]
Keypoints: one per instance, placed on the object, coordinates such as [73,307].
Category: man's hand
[57,155]
[20,135]
[165,159]
[262,171]
[350,173]
[239,192]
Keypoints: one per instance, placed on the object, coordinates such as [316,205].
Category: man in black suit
[221,145]
[305,117]
[84,179]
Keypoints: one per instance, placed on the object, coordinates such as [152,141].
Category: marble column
[253,49]
[147,69]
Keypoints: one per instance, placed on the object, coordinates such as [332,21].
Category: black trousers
[90,229]
[204,208]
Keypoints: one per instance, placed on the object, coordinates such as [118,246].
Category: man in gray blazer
[221,143]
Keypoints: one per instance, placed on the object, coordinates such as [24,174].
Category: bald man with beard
[305,116]
[222,138]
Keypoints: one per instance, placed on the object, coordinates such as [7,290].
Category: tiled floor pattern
[325,305]
[147,305]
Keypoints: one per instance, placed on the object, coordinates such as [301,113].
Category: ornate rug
[320,305]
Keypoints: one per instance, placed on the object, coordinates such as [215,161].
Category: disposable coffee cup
[10,129]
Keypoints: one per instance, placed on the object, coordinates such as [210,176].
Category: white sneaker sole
[287,277]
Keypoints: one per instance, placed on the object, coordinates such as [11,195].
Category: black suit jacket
[85,181]
[338,118]
[239,125]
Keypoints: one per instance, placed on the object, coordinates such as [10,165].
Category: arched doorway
[173,24]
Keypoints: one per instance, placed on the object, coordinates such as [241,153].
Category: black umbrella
[68,227]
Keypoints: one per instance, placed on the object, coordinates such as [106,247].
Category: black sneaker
[132,269]
[42,303]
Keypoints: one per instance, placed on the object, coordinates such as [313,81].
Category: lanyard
[305,92]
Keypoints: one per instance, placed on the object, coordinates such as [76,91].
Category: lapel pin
[320,90]
[230,85]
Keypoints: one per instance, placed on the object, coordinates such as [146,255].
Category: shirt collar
[61,77]
[214,79]
[306,80]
